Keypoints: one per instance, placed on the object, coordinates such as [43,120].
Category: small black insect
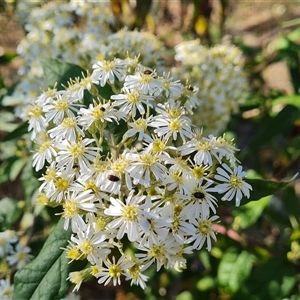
[199,195]
[102,108]
[113,178]
[190,88]
[147,72]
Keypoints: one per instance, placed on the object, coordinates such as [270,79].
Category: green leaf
[280,124]
[234,269]
[19,131]
[248,214]
[7,57]
[273,281]
[260,189]
[16,168]
[206,283]
[9,211]
[105,91]
[6,121]
[44,278]
[185,296]
[60,72]
[29,182]
[291,202]
[291,99]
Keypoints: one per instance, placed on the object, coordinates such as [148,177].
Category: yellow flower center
[69,123]
[175,125]
[76,150]
[147,159]
[174,113]
[119,166]
[36,111]
[205,227]
[108,65]
[198,172]
[70,208]
[203,146]
[98,112]
[156,251]
[62,104]
[235,182]
[140,124]
[62,184]
[44,146]
[130,213]
[100,223]
[73,253]
[87,247]
[177,176]
[114,271]
[133,97]
[158,145]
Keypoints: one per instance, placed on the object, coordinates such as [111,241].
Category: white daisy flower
[63,106]
[143,165]
[46,152]
[134,273]
[61,184]
[203,150]
[139,127]
[71,153]
[132,100]
[112,271]
[107,70]
[130,217]
[172,88]
[36,119]
[6,289]
[233,185]
[92,245]
[201,201]
[157,250]
[68,129]
[204,232]
[98,113]
[74,206]
[145,81]
[7,238]
[20,256]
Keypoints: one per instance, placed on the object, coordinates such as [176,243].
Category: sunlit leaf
[206,283]
[273,280]
[248,214]
[19,131]
[288,99]
[60,72]
[234,269]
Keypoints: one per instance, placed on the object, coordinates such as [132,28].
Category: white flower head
[233,185]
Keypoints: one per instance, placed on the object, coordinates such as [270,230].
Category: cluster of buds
[132,167]
[219,70]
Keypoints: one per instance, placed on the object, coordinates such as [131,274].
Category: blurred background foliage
[257,255]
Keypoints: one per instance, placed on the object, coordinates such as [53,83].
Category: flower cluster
[219,72]
[12,257]
[78,32]
[132,167]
